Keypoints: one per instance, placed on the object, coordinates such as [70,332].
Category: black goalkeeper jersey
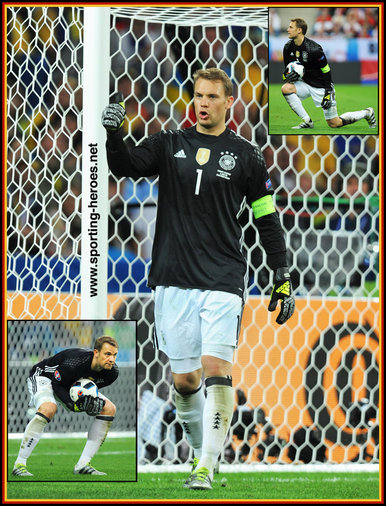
[311,55]
[66,367]
[204,183]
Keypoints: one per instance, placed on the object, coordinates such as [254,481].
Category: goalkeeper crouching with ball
[316,82]
[51,379]
[198,273]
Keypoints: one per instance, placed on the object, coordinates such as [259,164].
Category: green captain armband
[263,206]
[325,69]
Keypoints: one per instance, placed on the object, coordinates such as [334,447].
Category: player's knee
[186,383]
[48,409]
[288,88]
[109,408]
[214,366]
[334,122]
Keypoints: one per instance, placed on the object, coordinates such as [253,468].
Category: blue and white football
[82,387]
[295,66]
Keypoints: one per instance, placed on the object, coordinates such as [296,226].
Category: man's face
[293,31]
[106,357]
[211,106]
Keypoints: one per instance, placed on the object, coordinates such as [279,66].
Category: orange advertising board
[41,306]
[308,371]
[305,373]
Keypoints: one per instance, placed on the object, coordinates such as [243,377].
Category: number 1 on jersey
[198,181]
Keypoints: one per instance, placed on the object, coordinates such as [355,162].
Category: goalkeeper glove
[291,77]
[282,290]
[91,405]
[114,114]
[326,102]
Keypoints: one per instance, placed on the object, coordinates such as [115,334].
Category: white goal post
[307,392]
[95,202]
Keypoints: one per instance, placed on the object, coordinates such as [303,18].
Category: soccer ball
[83,387]
[295,66]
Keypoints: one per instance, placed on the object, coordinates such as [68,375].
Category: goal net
[304,392]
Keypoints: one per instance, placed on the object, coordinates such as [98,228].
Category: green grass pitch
[52,462]
[265,486]
[349,97]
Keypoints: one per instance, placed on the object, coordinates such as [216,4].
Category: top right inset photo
[323,70]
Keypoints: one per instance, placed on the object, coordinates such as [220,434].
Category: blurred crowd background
[329,21]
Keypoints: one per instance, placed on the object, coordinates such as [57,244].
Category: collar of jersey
[209,137]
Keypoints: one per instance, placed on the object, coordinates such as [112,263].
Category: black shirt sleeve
[270,230]
[286,54]
[106,378]
[322,63]
[272,239]
[140,161]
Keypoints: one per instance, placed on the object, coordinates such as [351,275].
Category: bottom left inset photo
[71,400]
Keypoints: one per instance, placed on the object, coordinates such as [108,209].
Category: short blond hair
[104,339]
[214,74]
[300,23]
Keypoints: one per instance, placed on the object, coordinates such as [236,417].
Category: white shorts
[40,389]
[304,90]
[190,323]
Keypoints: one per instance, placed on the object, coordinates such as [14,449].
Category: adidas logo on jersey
[180,154]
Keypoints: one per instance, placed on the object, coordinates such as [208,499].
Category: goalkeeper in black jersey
[207,174]
[315,83]
[50,380]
